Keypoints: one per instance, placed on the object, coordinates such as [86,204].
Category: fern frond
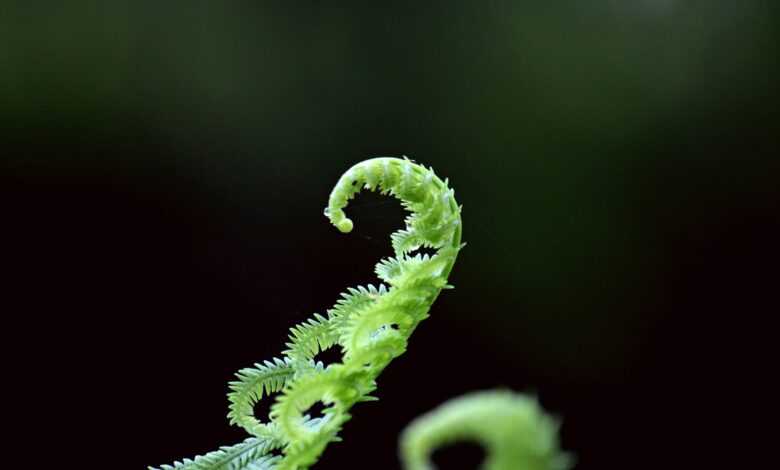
[388,269]
[309,338]
[404,241]
[514,430]
[252,385]
[371,324]
[355,299]
[252,454]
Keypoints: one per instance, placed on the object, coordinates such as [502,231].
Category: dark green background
[168,163]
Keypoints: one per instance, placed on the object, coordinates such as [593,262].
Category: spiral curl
[513,429]
[370,324]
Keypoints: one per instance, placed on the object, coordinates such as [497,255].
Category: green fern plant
[370,324]
[512,428]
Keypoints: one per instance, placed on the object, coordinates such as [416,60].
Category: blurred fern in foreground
[512,428]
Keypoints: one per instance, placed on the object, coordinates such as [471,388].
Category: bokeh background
[166,165]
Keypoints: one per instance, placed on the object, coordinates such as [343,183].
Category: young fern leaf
[513,429]
[370,324]
[252,454]
[253,384]
[309,338]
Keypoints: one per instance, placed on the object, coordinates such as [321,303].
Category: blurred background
[165,166]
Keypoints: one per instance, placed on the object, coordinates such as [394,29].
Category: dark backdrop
[166,166]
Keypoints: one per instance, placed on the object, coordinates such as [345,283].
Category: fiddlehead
[370,324]
[513,429]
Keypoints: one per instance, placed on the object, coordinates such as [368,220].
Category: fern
[370,324]
[513,429]
[252,454]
